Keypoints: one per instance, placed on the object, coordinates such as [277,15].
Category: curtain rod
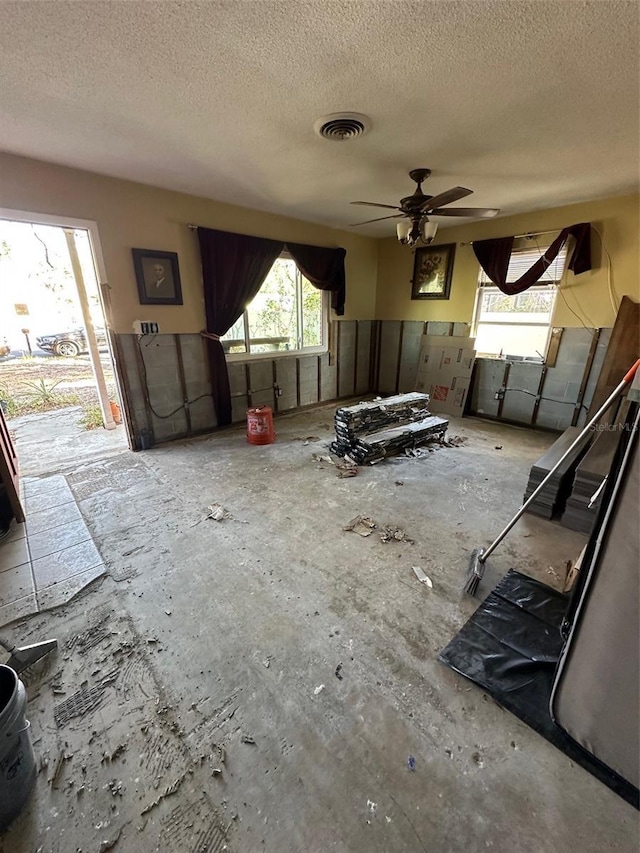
[529,234]
[192,227]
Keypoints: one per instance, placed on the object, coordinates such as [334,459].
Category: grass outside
[35,385]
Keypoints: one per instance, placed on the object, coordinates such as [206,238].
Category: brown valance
[494,257]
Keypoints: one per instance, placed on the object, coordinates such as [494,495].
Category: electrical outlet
[146,327]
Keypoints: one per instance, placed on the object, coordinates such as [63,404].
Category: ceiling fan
[418,207]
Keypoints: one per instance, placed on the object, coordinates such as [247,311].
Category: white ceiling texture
[531,104]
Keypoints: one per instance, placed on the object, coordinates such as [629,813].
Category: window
[517,325]
[288,314]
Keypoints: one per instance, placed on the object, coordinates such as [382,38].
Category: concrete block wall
[528,393]
[549,397]
[160,372]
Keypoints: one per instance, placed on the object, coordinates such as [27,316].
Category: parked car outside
[70,343]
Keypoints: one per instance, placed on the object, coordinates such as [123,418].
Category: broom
[479,555]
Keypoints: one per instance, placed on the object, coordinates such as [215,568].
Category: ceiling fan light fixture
[409,233]
[402,229]
[429,230]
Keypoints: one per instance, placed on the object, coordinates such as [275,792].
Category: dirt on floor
[40,384]
[251,676]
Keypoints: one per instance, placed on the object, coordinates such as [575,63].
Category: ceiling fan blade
[478,212]
[375,204]
[447,197]
[393,216]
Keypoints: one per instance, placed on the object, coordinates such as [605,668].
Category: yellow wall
[378,271]
[616,219]
[135,215]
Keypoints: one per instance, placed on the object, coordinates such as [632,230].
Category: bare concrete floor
[54,441]
[212,646]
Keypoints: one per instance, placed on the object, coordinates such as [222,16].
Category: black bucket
[17,761]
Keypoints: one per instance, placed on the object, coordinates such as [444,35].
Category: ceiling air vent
[339,127]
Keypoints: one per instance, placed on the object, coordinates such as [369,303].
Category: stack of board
[552,499]
[589,476]
[367,432]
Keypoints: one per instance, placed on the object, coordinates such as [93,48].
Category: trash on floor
[346,473]
[454,440]
[411,763]
[320,458]
[218,513]
[362,525]
[339,671]
[390,533]
[346,468]
[318,689]
[425,579]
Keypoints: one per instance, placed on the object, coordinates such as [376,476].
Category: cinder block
[409,356]
[308,373]
[261,376]
[239,406]
[438,328]
[237,377]
[488,379]
[461,330]
[203,415]
[363,361]
[328,379]
[389,354]
[554,415]
[346,358]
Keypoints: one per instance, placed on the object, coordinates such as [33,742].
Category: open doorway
[59,391]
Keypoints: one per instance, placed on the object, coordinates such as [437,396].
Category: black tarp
[510,647]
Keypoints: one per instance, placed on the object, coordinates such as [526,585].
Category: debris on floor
[346,473]
[338,672]
[168,792]
[425,579]
[318,689]
[477,758]
[454,441]
[411,763]
[109,844]
[321,458]
[369,432]
[389,533]
[361,524]
[218,513]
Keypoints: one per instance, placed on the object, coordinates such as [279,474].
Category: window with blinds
[517,325]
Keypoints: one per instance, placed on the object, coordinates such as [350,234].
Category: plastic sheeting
[510,647]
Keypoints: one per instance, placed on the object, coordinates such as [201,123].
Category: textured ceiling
[530,104]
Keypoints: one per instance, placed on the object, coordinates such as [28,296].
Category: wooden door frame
[9,470]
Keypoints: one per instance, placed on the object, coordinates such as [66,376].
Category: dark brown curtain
[234,266]
[494,256]
[324,268]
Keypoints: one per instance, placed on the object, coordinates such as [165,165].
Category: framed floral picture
[432,270]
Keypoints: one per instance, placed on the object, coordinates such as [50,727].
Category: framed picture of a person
[157,277]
